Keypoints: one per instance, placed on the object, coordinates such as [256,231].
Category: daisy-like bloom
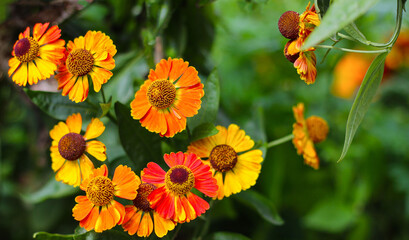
[36,58]
[140,218]
[88,56]
[232,163]
[68,149]
[307,132]
[170,95]
[97,209]
[304,61]
[173,199]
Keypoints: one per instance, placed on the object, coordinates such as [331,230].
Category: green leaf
[106,235]
[140,145]
[330,215]
[60,107]
[210,102]
[363,99]
[354,32]
[340,14]
[120,87]
[204,130]
[322,6]
[105,107]
[261,204]
[228,236]
[52,189]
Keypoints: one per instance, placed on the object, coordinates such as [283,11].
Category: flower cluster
[38,57]
[216,166]
[297,28]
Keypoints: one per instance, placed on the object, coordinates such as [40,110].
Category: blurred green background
[366,196]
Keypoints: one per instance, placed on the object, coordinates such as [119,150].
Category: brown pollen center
[161,94]
[223,158]
[71,146]
[141,200]
[80,62]
[26,49]
[100,191]
[179,179]
[317,128]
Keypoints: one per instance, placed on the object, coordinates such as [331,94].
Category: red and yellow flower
[140,218]
[307,132]
[68,149]
[231,161]
[88,56]
[304,61]
[97,209]
[36,58]
[173,199]
[172,93]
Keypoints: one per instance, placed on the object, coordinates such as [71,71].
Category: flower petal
[94,129]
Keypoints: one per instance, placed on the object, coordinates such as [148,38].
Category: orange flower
[348,74]
[306,133]
[139,216]
[170,95]
[91,55]
[173,199]
[69,147]
[304,61]
[36,58]
[97,209]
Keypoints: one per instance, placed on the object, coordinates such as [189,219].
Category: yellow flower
[231,161]
[306,133]
[36,58]
[68,149]
[91,55]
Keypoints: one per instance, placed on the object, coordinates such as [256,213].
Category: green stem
[177,231]
[352,50]
[395,33]
[189,135]
[112,118]
[280,141]
[103,95]
[207,222]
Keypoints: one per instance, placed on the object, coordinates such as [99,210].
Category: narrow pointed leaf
[339,14]
[261,204]
[204,130]
[363,99]
[354,32]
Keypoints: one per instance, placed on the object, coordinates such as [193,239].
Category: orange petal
[125,182]
[162,225]
[146,226]
[74,123]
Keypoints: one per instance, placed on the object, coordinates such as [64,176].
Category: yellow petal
[96,149]
[94,129]
[74,123]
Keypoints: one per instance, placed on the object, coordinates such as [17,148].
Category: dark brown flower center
[26,49]
[179,180]
[71,146]
[80,62]
[161,94]
[317,128]
[288,24]
[223,158]
[100,191]
[141,200]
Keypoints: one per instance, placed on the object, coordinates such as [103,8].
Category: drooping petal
[74,123]
[69,173]
[96,149]
[162,225]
